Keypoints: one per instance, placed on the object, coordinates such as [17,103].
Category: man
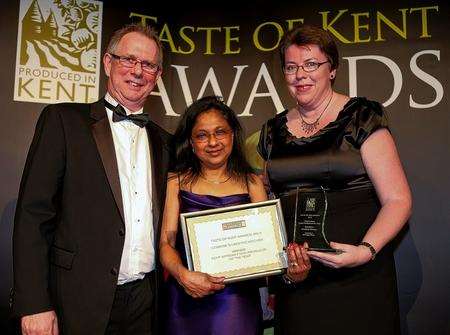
[88,213]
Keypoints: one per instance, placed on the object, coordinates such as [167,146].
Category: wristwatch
[370,247]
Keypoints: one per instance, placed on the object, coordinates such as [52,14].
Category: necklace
[308,128]
[215,182]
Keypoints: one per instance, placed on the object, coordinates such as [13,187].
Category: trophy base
[336,251]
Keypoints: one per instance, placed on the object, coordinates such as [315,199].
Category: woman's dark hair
[306,34]
[186,163]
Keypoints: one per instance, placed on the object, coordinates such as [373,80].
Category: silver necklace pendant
[308,128]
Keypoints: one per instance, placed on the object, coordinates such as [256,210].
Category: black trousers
[133,308]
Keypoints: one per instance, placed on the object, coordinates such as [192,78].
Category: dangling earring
[193,150]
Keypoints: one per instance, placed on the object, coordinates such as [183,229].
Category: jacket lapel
[105,145]
[156,146]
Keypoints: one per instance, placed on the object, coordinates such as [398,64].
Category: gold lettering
[359,26]
[89,79]
[329,26]
[60,86]
[291,22]
[229,39]
[209,31]
[424,18]
[43,89]
[23,86]
[389,23]
[144,18]
[166,36]
[86,91]
[256,36]
[189,41]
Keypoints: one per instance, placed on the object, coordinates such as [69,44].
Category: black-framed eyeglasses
[292,68]
[203,136]
[130,62]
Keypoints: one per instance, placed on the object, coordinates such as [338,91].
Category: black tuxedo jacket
[69,229]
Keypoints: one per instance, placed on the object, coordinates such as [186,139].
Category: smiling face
[131,86]
[308,89]
[212,139]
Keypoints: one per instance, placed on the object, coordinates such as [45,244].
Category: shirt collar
[113,102]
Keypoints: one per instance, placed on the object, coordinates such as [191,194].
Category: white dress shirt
[134,164]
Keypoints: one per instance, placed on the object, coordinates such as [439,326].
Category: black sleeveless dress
[361,300]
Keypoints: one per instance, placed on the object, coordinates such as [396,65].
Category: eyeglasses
[203,136]
[130,62]
[292,68]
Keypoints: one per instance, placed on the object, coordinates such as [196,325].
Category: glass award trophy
[310,219]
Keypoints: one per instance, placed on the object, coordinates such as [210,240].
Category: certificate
[238,242]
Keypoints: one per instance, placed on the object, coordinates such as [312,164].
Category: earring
[332,76]
[193,150]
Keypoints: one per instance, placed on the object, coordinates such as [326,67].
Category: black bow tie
[119,114]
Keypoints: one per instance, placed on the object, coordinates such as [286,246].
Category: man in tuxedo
[88,214]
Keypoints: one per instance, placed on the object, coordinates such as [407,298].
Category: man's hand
[45,323]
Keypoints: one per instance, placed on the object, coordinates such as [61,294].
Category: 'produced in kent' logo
[58,51]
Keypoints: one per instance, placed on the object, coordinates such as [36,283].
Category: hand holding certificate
[238,242]
[199,284]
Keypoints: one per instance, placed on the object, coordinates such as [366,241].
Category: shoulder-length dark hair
[186,163]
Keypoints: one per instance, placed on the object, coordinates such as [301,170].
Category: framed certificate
[238,242]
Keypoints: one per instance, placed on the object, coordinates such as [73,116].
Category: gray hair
[147,31]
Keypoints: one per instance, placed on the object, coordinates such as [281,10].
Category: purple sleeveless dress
[234,310]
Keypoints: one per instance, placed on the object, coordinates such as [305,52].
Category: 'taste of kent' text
[369,26]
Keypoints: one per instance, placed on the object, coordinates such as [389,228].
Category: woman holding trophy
[333,163]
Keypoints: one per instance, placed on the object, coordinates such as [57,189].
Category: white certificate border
[188,220]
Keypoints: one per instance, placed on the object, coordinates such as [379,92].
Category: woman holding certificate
[210,171]
[332,161]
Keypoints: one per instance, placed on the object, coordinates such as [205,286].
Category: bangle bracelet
[371,248]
